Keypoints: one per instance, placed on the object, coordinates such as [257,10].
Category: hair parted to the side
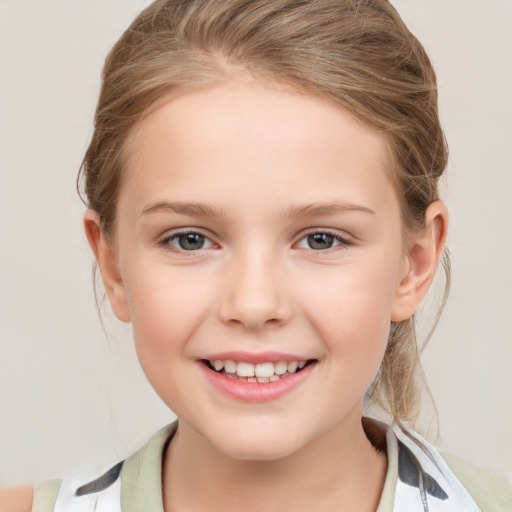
[358,54]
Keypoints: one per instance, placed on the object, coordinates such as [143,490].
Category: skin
[16,499]
[254,155]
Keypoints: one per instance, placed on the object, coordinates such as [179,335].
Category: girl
[262,191]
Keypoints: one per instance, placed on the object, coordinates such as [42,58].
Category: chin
[259,450]
[257,444]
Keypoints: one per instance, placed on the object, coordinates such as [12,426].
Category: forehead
[247,140]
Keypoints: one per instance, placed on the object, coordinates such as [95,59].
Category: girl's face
[258,226]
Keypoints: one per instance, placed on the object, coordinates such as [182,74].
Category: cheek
[352,313]
[166,307]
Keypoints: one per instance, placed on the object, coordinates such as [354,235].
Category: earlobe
[108,264]
[423,255]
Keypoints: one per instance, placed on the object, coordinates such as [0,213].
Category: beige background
[69,396]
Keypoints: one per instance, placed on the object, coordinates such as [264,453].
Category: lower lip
[256,391]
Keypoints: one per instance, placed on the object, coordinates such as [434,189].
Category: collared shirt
[418,479]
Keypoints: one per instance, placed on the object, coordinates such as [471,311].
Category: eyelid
[344,241]
[164,240]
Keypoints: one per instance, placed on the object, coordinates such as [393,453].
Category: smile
[262,380]
[261,372]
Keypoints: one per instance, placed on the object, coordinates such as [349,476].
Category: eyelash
[165,242]
[342,242]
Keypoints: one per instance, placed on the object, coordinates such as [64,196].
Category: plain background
[69,396]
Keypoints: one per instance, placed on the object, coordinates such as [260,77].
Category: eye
[321,241]
[187,241]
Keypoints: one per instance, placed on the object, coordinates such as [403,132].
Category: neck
[341,470]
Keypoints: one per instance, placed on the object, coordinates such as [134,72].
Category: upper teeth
[243,369]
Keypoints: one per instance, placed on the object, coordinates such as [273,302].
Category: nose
[254,294]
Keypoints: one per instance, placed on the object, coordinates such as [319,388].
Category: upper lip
[254,357]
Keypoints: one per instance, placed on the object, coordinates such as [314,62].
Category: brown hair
[356,53]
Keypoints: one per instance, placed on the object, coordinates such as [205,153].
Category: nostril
[253,323]
[252,304]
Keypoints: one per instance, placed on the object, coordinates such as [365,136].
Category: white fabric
[413,499]
[107,500]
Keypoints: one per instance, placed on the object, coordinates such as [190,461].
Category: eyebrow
[191,209]
[325,209]
[301,211]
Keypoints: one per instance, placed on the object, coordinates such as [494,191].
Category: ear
[424,250]
[108,264]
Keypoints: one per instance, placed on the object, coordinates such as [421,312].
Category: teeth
[292,366]
[280,367]
[245,369]
[230,366]
[264,370]
[261,372]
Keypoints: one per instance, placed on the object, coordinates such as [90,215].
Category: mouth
[263,373]
[256,377]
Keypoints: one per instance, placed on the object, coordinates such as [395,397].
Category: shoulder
[45,495]
[448,481]
[491,492]
[134,482]
[16,499]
